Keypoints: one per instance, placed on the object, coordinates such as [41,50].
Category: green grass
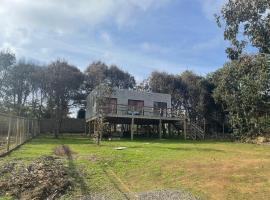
[209,169]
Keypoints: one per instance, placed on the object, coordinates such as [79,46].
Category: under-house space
[131,113]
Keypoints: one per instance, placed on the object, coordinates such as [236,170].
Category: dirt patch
[64,150]
[44,178]
[93,158]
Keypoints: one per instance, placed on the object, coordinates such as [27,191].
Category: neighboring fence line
[68,125]
[15,130]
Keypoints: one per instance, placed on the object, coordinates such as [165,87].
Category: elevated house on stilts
[131,113]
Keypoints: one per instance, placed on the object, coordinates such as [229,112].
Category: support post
[89,128]
[204,125]
[9,132]
[132,128]
[170,130]
[185,128]
[160,129]
[94,125]
[101,129]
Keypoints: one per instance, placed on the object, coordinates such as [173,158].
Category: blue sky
[137,35]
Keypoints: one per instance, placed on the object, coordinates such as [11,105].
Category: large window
[160,109]
[135,107]
[110,106]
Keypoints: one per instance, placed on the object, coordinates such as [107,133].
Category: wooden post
[132,128]
[20,131]
[170,130]
[9,132]
[204,125]
[160,128]
[17,131]
[94,126]
[28,128]
[101,128]
[114,128]
[185,128]
[89,128]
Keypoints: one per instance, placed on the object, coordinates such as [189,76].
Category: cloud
[71,15]
[106,38]
[27,24]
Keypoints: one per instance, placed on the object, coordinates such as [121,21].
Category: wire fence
[15,130]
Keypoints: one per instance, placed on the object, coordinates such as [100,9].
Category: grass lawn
[211,170]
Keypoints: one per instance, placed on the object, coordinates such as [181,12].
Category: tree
[168,83]
[7,60]
[245,22]
[243,87]
[99,73]
[63,82]
[17,86]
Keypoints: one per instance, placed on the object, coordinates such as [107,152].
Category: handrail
[112,108]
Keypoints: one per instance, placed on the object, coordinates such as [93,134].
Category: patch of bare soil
[44,178]
[64,150]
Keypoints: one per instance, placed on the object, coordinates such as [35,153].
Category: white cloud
[31,26]
[106,38]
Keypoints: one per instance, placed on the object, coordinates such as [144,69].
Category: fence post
[17,131]
[23,130]
[9,132]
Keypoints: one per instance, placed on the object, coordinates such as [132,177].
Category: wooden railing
[120,109]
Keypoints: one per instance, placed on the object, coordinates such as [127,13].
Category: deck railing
[120,109]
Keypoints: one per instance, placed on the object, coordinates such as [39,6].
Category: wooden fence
[15,130]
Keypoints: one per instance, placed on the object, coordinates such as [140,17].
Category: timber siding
[123,95]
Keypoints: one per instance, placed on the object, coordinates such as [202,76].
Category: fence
[15,130]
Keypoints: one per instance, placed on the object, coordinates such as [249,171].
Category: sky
[139,36]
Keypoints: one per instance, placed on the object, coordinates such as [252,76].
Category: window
[110,106]
[160,108]
[135,107]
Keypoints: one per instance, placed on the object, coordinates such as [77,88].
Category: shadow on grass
[116,184]
[77,175]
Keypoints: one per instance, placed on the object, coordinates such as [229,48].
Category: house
[130,109]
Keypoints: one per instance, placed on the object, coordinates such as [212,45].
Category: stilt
[114,128]
[160,129]
[132,128]
[185,128]
[170,130]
